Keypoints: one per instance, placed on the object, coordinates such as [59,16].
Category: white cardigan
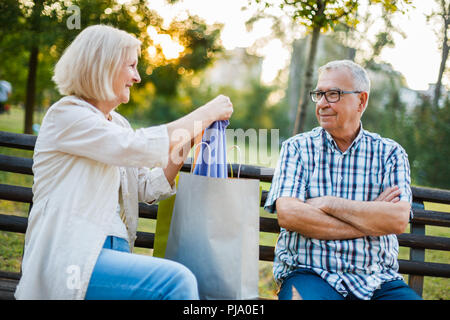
[80,160]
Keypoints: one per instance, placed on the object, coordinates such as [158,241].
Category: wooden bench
[416,240]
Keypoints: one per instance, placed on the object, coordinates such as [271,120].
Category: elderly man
[341,194]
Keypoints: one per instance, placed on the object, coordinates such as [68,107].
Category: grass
[11,244]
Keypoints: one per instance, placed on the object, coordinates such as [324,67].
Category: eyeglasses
[330,95]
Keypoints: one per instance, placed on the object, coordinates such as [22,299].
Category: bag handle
[240,161]
[208,172]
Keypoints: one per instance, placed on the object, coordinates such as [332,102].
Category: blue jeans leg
[308,285]
[395,290]
[121,275]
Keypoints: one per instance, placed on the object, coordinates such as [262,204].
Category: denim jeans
[310,286]
[121,275]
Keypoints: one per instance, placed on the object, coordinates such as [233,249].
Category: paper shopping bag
[163,218]
[213,163]
[214,231]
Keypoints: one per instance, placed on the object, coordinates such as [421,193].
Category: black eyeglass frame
[322,93]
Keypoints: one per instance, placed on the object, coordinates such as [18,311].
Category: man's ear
[363,97]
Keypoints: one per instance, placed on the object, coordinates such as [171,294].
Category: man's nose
[322,101]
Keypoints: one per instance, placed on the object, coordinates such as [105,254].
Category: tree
[321,16]
[444,14]
[39,28]
[39,31]
[431,135]
[202,45]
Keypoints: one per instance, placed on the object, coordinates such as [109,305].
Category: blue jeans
[121,275]
[310,286]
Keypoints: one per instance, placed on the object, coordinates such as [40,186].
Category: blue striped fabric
[311,165]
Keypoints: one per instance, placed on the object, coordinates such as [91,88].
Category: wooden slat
[12,223]
[16,164]
[16,193]
[17,140]
[9,275]
[145,240]
[431,195]
[432,218]
[269,225]
[246,171]
[148,211]
[8,284]
[431,269]
[266,253]
[407,267]
[424,242]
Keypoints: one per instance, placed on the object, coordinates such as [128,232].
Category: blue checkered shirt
[311,165]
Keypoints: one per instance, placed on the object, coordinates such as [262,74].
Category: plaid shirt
[311,165]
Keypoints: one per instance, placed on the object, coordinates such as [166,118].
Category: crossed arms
[333,218]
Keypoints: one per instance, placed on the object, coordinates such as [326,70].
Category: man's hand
[391,194]
[323,203]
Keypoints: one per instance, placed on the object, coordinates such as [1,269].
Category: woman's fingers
[222,107]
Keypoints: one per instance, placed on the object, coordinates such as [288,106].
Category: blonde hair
[89,64]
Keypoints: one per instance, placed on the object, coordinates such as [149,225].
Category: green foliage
[43,24]
[431,144]
[251,104]
[202,45]
[328,14]
[422,130]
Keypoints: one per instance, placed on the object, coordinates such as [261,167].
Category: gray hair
[361,79]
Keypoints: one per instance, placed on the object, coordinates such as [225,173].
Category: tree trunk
[445,49]
[31,90]
[34,26]
[307,83]
[296,66]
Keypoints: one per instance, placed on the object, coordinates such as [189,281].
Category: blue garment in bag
[216,155]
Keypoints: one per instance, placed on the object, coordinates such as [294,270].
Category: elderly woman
[90,171]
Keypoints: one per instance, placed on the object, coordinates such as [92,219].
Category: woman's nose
[136,77]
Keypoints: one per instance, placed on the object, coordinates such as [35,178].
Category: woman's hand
[220,108]
[182,131]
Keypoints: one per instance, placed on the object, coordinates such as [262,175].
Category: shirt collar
[330,141]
